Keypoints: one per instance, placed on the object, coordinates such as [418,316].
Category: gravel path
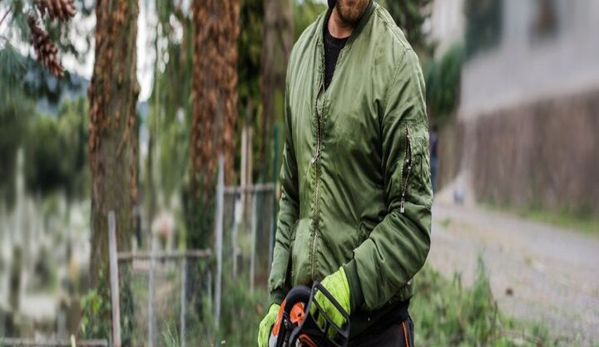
[538,273]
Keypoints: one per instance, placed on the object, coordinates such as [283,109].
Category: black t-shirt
[332,48]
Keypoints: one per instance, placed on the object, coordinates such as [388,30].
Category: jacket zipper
[316,158]
[409,164]
[315,162]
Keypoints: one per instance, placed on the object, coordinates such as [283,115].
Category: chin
[351,11]
[350,17]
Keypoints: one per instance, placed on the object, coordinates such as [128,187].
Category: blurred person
[433,144]
[355,207]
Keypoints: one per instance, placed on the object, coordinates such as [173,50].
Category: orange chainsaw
[301,321]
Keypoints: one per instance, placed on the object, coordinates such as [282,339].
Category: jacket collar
[361,24]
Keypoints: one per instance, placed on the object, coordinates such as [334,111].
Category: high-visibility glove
[266,325]
[336,284]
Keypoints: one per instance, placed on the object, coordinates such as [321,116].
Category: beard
[351,13]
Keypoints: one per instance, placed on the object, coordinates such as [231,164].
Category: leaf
[12,66]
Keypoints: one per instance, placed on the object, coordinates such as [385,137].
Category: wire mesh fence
[249,217]
[174,298]
[164,297]
[170,298]
[15,342]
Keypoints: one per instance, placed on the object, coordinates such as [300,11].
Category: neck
[338,28]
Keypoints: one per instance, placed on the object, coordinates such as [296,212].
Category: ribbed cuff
[356,297]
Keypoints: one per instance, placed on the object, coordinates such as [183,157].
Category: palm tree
[112,134]
[214,107]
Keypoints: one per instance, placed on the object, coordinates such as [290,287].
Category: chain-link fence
[163,298]
[12,342]
[174,298]
[249,215]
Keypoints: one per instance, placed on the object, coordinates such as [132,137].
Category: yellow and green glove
[336,284]
[266,325]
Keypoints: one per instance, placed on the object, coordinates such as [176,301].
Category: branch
[5,15]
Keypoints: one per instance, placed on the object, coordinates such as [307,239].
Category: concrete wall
[544,155]
[528,123]
[528,67]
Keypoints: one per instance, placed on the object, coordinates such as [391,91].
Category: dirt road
[552,274]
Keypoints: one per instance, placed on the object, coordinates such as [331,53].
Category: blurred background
[154,128]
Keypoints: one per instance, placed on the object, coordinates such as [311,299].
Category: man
[355,208]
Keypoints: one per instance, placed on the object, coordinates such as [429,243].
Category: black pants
[396,335]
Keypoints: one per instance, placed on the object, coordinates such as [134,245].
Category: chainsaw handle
[319,334]
[309,333]
[283,326]
[297,294]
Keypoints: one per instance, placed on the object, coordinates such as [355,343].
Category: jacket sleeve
[288,215]
[398,246]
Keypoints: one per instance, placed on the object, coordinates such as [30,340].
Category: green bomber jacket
[355,179]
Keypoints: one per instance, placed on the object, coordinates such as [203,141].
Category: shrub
[447,314]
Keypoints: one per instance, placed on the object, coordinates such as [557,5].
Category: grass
[583,221]
[586,223]
[447,314]
[241,312]
[445,223]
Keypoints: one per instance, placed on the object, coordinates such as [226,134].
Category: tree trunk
[112,136]
[214,107]
[277,44]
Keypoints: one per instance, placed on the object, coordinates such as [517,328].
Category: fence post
[183,301]
[220,192]
[114,280]
[237,216]
[151,295]
[253,242]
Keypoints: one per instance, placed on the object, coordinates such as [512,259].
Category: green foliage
[242,311]
[15,111]
[55,148]
[445,223]
[29,75]
[410,16]
[96,318]
[250,51]
[443,84]
[447,314]
[56,151]
[95,322]
[568,217]
[304,14]
[579,220]
[12,70]
[127,305]
[168,121]
[170,337]
[483,25]
[174,153]
[249,69]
